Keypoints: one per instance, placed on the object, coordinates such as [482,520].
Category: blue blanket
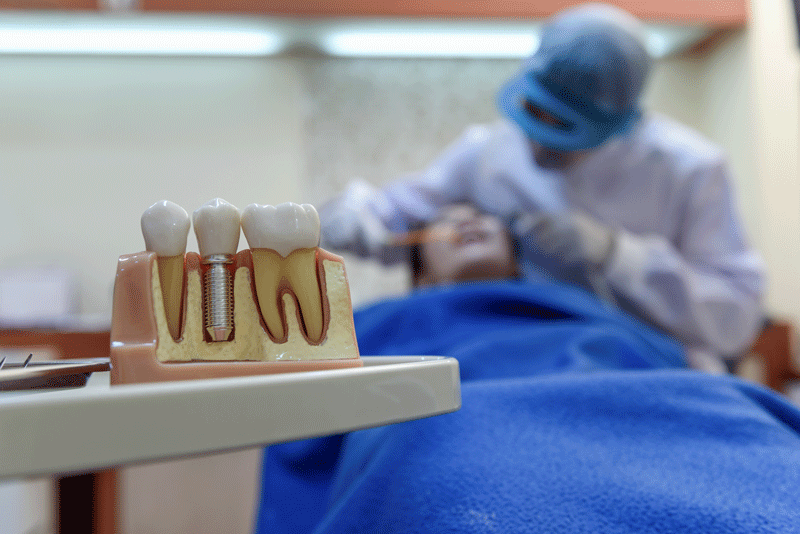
[572,421]
[509,329]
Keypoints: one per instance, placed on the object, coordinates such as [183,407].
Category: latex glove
[571,238]
[355,229]
[349,224]
[372,232]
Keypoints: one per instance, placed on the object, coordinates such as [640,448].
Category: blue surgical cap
[588,72]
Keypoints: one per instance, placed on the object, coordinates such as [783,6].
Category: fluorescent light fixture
[453,43]
[134,35]
[217,35]
[447,38]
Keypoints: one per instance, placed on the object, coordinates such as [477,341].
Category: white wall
[87,144]
[672,89]
[773,55]
[726,91]
[27,507]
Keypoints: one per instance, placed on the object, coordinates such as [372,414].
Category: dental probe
[417,237]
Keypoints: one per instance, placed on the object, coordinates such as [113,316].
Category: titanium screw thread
[218,297]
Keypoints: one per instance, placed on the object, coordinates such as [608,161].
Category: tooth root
[170,272]
[267,267]
[301,270]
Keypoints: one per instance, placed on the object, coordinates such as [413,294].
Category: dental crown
[282,228]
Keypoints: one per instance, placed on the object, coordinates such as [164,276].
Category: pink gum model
[134,330]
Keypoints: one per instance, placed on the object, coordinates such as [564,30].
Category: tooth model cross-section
[281,306]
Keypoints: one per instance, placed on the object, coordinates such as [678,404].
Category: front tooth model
[283,240]
[216,224]
[165,227]
[177,316]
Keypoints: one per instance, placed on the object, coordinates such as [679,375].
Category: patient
[468,302]
[466,245]
[575,418]
[462,245]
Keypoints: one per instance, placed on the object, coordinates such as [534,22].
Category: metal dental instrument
[48,374]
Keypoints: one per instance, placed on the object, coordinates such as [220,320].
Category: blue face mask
[568,127]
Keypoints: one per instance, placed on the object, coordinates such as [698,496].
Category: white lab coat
[681,261]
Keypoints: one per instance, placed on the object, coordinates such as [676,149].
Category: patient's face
[464,244]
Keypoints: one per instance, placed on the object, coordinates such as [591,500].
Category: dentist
[598,192]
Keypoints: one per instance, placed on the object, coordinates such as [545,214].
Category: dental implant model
[281,306]
[216,225]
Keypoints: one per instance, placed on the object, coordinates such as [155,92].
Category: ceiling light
[454,43]
[217,35]
[448,38]
[134,35]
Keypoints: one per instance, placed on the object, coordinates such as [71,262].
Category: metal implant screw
[218,297]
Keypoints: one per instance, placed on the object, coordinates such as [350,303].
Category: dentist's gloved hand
[354,229]
[571,238]
[350,224]
[372,233]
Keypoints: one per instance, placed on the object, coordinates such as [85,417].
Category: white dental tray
[97,426]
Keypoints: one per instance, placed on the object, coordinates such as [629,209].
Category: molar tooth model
[281,306]
[284,241]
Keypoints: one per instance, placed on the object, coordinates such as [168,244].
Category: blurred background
[102,114]
[90,139]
